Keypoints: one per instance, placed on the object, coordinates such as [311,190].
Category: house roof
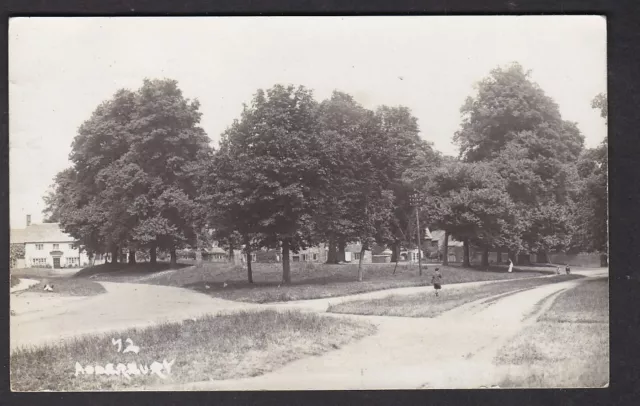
[47,232]
[353,248]
[438,235]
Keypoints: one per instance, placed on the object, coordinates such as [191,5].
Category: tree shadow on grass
[143,268]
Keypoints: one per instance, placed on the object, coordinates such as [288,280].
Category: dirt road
[44,318]
[454,350]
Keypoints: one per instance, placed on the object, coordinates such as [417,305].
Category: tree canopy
[291,172]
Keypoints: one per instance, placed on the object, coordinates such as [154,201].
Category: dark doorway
[56,263]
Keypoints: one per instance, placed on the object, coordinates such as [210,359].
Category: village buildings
[46,246]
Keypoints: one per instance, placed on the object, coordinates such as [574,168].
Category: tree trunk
[360,270]
[604,260]
[153,255]
[286,266]
[247,248]
[395,251]
[395,255]
[465,261]
[198,258]
[232,256]
[485,257]
[342,246]
[445,250]
[419,240]
[174,257]
[198,252]
[114,255]
[332,255]
[498,256]
[132,257]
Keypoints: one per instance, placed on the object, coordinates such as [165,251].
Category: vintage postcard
[308,203]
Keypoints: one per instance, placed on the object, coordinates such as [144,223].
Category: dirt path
[42,318]
[454,350]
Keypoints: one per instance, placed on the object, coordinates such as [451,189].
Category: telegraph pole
[415,200]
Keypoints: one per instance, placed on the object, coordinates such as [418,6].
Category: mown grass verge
[428,305]
[309,280]
[224,347]
[567,347]
[13,281]
[67,287]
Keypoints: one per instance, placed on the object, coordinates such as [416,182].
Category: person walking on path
[510,265]
[436,280]
[567,269]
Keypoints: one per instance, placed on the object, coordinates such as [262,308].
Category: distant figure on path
[558,270]
[436,280]
[567,269]
[510,265]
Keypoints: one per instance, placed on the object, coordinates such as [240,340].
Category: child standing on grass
[436,280]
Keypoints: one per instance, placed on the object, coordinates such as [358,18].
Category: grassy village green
[233,346]
[568,346]
[309,281]
[427,305]
[13,280]
[62,284]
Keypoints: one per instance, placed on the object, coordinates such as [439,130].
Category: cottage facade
[46,245]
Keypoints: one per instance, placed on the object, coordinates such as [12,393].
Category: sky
[60,69]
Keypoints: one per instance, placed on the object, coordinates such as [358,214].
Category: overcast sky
[60,69]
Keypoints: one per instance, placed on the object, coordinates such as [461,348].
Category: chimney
[28,220]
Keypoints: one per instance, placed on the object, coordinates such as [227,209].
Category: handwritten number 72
[129,348]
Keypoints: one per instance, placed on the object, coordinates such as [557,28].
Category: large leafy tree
[342,121]
[512,124]
[471,204]
[171,152]
[134,180]
[591,210]
[278,152]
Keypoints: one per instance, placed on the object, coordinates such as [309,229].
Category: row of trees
[291,172]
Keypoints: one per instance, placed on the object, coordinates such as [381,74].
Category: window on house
[305,257]
[356,255]
[296,258]
[315,257]
[39,247]
[56,246]
[254,257]
[73,261]
[39,261]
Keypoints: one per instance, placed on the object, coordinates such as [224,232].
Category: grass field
[309,281]
[62,283]
[13,280]
[427,305]
[224,347]
[568,346]
[68,287]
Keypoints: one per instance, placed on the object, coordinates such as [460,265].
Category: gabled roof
[438,235]
[47,232]
[353,248]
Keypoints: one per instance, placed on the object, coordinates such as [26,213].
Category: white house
[47,245]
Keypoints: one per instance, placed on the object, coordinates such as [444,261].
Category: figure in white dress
[510,265]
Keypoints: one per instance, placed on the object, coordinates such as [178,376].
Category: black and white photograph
[308,203]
